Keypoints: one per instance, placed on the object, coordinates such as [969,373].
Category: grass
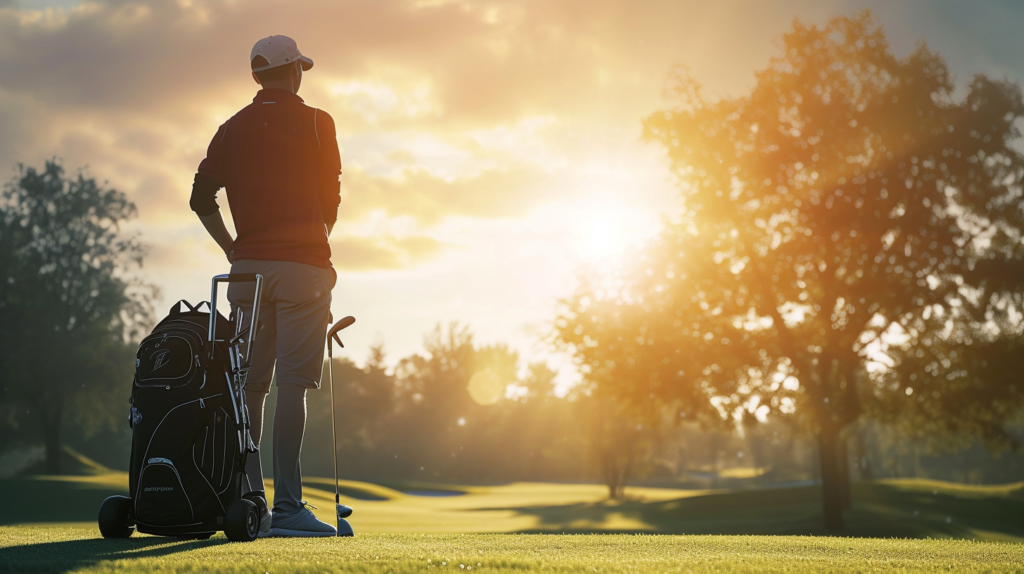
[888,508]
[48,524]
[63,549]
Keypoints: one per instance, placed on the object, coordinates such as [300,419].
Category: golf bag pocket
[169,358]
[161,498]
[216,448]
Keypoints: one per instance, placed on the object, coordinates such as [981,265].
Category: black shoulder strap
[316,131]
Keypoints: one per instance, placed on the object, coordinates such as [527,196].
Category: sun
[598,232]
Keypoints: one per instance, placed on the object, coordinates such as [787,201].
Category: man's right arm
[204,203]
[204,195]
[214,225]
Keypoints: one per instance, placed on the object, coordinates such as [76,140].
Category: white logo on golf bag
[161,358]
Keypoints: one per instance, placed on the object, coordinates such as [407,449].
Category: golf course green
[69,549]
[48,525]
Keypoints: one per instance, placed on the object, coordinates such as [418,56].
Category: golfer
[278,160]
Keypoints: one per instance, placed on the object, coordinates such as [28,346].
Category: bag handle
[176,308]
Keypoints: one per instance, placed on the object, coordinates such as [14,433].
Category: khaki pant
[294,315]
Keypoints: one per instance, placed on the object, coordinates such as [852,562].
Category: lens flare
[485,387]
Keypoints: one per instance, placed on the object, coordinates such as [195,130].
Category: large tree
[841,199]
[70,307]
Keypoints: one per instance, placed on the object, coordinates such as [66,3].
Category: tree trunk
[917,460]
[626,472]
[611,478]
[863,456]
[615,490]
[843,470]
[52,439]
[617,471]
[831,488]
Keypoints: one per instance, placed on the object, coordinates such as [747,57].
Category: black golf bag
[190,428]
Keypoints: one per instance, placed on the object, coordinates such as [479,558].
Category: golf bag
[190,428]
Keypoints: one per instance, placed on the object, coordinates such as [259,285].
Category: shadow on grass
[879,510]
[326,489]
[53,499]
[29,500]
[409,486]
[72,555]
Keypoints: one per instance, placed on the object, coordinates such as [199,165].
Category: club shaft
[334,422]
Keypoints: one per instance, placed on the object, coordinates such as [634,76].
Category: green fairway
[63,549]
[48,524]
[893,508]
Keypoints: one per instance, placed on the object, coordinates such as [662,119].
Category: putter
[343,512]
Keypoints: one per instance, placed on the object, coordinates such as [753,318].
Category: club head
[332,334]
[344,528]
[341,324]
[342,510]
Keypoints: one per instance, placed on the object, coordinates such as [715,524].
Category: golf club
[343,512]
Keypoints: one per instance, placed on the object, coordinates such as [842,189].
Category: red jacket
[278,159]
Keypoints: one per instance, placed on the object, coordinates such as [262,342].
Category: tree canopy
[832,216]
[70,307]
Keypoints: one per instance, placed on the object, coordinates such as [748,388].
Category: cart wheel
[242,522]
[344,528]
[115,517]
[260,502]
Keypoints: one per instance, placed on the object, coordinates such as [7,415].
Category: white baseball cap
[277,51]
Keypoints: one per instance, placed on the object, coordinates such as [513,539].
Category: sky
[490,149]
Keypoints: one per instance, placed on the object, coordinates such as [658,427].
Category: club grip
[238,278]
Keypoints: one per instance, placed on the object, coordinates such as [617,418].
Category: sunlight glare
[598,232]
[485,387]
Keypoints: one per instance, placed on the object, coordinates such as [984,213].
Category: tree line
[74,305]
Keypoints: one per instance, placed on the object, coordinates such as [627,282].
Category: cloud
[135,91]
[407,62]
[460,64]
[429,198]
[179,255]
[21,126]
[354,253]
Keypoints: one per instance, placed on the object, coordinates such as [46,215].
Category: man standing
[278,160]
